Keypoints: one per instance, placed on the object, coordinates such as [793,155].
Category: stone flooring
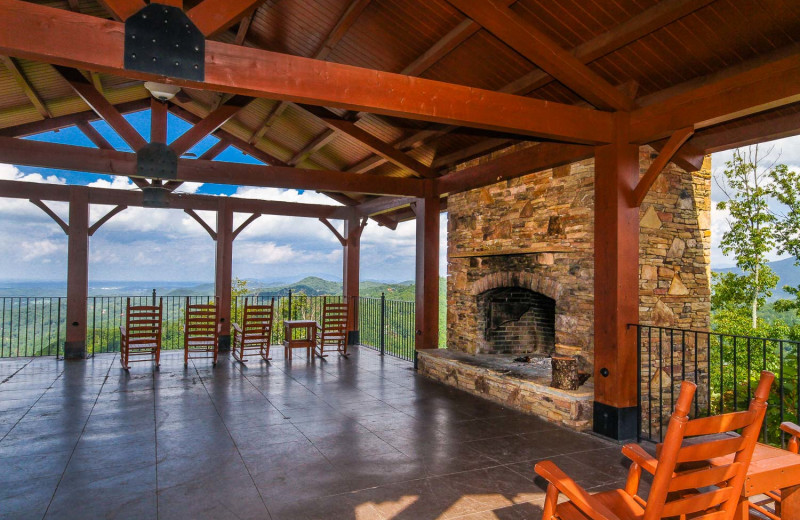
[356,438]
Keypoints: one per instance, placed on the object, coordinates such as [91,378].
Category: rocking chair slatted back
[255,332]
[675,491]
[335,317]
[201,330]
[141,335]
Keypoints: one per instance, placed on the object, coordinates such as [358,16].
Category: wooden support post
[427,276]
[158,121]
[223,269]
[351,273]
[77,273]
[616,287]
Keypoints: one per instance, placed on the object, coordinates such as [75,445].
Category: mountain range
[786,269]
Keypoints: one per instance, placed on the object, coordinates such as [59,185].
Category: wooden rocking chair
[201,331]
[774,497]
[140,337]
[679,492]
[255,332]
[333,331]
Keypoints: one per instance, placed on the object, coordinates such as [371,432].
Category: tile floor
[356,438]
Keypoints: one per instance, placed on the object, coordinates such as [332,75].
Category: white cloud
[9,172]
[37,249]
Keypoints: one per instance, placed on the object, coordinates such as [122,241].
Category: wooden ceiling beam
[671,147]
[528,160]
[525,38]
[241,31]
[158,121]
[19,76]
[214,16]
[103,107]
[720,139]
[122,9]
[277,110]
[107,196]
[50,37]
[111,162]
[209,124]
[761,88]
[94,136]
[479,148]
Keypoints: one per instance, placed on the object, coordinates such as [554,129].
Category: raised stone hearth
[521,386]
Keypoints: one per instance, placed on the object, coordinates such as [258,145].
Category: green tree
[733,291]
[751,233]
[785,189]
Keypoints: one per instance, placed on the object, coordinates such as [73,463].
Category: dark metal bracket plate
[157,161]
[161,39]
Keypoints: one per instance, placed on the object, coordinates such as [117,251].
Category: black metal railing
[36,326]
[388,326]
[726,369]
[32,326]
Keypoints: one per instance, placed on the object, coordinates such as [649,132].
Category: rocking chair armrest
[122,331]
[236,327]
[637,454]
[791,428]
[585,502]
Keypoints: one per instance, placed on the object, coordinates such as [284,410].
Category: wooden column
[77,273]
[223,270]
[616,287]
[351,274]
[427,279]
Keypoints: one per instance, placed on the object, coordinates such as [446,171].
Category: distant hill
[788,272]
[315,286]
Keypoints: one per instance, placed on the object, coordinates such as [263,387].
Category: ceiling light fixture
[161,91]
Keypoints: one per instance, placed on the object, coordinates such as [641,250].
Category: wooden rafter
[122,9]
[372,143]
[313,146]
[103,107]
[348,18]
[209,124]
[52,155]
[58,122]
[277,110]
[241,31]
[650,20]
[22,80]
[49,36]
[722,138]
[657,166]
[94,136]
[214,16]
[479,148]
[529,41]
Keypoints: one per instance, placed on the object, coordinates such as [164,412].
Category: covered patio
[569,142]
[364,438]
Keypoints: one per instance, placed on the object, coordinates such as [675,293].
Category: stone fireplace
[517,321]
[521,279]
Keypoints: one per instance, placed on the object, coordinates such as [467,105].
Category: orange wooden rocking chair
[140,337]
[696,490]
[333,330]
[774,497]
[255,333]
[201,331]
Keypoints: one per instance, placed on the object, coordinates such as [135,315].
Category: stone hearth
[521,386]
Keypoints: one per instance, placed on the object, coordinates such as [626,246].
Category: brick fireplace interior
[517,321]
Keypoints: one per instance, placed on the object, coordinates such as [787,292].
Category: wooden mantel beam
[49,36]
[528,40]
[67,157]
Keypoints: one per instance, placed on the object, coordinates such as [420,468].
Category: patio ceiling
[414,88]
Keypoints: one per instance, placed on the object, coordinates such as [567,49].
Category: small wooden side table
[770,469]
[308,341]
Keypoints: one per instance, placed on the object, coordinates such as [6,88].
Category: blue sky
[146,244]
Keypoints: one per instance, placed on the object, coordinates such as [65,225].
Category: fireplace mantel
[512,252]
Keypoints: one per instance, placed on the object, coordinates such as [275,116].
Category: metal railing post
[290,304]
[383,323]
[154,297]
